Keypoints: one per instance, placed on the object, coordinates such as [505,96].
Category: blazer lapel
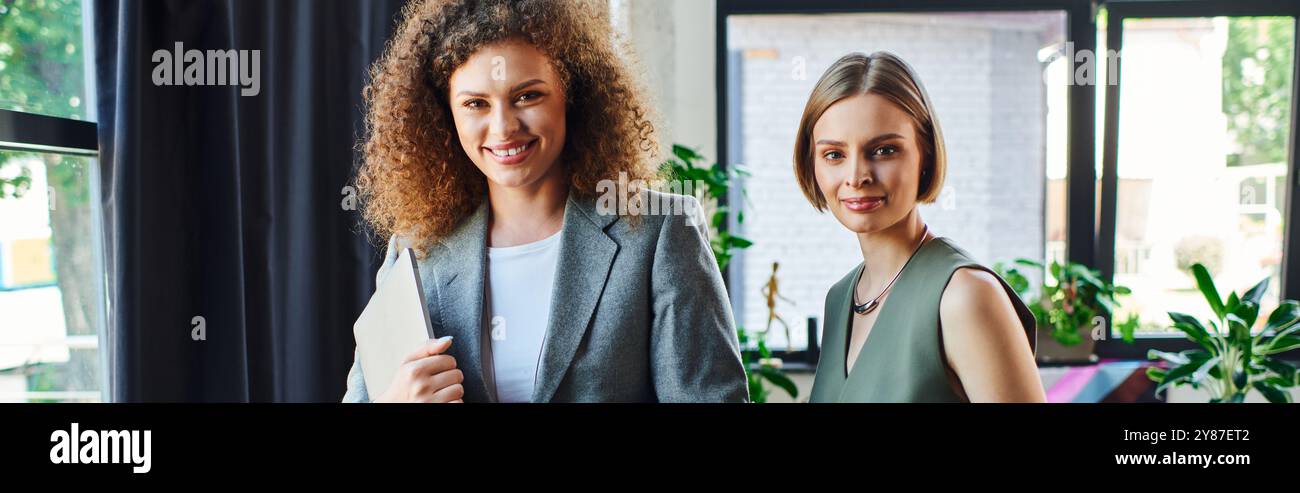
[586,255]
[459,275]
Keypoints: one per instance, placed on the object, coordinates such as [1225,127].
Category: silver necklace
[874,303]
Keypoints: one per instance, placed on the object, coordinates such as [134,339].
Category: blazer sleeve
[356,383]
[695,353]
[356,391]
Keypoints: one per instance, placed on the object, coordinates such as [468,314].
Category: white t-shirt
[520,280]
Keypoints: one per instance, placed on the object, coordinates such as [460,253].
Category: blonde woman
[918,320]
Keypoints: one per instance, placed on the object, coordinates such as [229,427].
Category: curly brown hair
[418,182]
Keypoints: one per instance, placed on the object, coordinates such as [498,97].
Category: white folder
[393,324]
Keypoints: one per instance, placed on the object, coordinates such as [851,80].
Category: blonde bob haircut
[884,74]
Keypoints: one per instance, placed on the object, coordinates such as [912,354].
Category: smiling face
[508,104]
[867,162]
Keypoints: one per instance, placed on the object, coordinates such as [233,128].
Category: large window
[1202,159]
[1198,164]
[52,298]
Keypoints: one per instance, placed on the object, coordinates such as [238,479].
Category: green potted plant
[1069,308]
[760,368]
[687,165]
[1231,362]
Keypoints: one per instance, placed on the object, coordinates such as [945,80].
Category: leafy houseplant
[764,370]
[1068,306]
[687,165]
[1231,363]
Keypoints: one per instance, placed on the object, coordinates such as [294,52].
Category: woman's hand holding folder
[427,375]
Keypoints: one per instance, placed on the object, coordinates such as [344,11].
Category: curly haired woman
[492,128]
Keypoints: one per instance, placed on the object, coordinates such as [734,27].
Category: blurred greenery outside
[1257,68]
[42,70]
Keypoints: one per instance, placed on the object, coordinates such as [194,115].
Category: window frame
[31,132]
[1117,12]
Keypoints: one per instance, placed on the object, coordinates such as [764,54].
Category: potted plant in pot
[1069,309]
[1231,362]
[760,370]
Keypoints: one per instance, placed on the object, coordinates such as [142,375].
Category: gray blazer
[638,312]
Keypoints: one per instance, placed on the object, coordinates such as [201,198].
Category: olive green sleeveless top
[902,359]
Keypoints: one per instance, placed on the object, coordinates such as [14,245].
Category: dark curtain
[230,207]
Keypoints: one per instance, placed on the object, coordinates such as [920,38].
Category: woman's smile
[863,204]
[511,153]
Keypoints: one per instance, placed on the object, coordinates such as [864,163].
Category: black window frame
[1117,12]
[31,132]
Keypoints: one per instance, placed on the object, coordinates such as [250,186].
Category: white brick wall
[983,74]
